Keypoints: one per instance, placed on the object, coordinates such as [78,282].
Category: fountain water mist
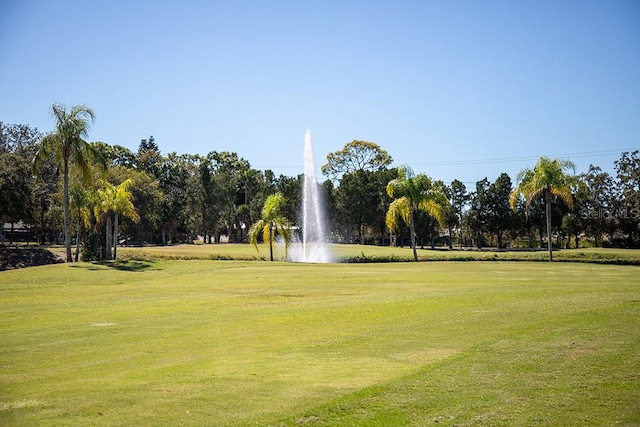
[312,245]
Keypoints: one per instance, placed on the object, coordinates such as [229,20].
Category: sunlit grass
[256,343]
[370,253]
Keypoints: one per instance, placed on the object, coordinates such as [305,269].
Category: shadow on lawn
[124,265]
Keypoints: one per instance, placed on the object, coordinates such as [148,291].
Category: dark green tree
[458,199]
[479,212]
[628,213]
[599,201]
[148,157]
[172,178]
[17,147]
[358,199]
[501,215]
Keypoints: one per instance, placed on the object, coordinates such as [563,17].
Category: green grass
[367,253]
[237,343]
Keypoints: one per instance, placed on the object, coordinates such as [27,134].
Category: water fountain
[312,245]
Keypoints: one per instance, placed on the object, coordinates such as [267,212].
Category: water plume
[311,245]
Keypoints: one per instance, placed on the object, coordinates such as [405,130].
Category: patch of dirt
[11,258]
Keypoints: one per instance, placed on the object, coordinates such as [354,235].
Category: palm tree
[123,206]
[411,193]
[272,222]
[547,180]
[67,145]
[116,201]
[80,204]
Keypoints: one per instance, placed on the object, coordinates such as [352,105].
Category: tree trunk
[42,231]
[548,214]
[541,236]
[412,230]
[65,208]
[77,237]
[109,236]
[115,236]
[461,234]
[271,241]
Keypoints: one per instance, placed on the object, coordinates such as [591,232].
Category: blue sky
[455,89]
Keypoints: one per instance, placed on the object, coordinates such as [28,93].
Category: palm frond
[255,231]
[399,209]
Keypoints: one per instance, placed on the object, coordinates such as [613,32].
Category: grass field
[255,343]
[370,253]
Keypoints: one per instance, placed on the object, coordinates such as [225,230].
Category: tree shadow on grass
[124,265]
[20,257]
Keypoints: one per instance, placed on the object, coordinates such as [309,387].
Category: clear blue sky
[455,89]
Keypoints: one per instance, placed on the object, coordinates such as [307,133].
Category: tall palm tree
[411,193]
[67,145]
[547,180]
[114,201]
[271,223]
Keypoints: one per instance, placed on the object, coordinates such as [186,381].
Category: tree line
[97,195]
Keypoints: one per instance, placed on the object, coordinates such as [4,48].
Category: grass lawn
[200,342]
[370,253]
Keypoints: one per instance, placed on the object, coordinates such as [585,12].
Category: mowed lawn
[363,253]
[200,342]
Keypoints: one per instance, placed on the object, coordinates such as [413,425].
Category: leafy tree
[206,197]
[358,200]
[501,214]
[231,190]
[272,223]
[225,182]
[547,181]
[66,143]
[572,225]
[256,186]
[44,193]
[113,201]
[356,156]
[148,197]
[172,180]
[458,198]
[15,189]
[480,210]
[411,193]
[628,173]
[148,158]
[117,155]
[17,147]
[81,204]
[598,202]
[291,188]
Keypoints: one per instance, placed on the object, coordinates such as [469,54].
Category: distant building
[15,232]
